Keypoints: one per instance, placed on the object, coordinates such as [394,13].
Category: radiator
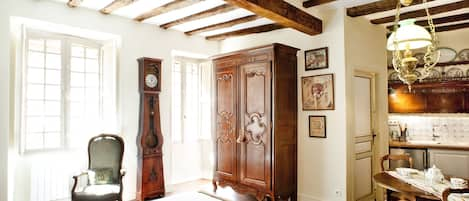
[52,181]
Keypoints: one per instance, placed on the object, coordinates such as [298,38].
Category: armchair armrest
[123,172]
[75,179]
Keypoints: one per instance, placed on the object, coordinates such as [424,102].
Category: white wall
[456,39]
[321,162]
[138,40]
[365,47]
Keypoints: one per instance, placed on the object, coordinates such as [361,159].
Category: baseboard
[304,197]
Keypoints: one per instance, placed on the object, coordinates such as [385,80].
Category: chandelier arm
[396,61]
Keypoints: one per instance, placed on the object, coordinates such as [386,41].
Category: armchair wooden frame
[390,157]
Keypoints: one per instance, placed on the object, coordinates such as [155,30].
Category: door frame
[374,130]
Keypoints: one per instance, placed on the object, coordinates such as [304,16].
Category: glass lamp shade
[409,35]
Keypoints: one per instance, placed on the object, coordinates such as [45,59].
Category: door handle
[241,137]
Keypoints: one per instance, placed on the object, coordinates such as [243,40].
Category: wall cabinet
[451,162]
[441,97]
[256,133]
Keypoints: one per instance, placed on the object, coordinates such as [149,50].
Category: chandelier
[408,36]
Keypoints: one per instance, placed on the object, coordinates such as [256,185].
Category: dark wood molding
[282,13]
[422,13]
[173,5]
[73,3]
[311,3]
[207,13]
[258,29]
[452,27]
[116,4]
[223,24]
[376,7]
[441,20]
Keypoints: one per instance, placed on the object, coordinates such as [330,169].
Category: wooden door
[363,84]
[226,82]
[255,125]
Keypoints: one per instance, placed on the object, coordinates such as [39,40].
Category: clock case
[150,177]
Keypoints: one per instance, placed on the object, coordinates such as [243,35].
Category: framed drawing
[317,126]
[318,92]
[316,59]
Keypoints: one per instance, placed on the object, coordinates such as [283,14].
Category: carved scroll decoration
[225,127]
[255,129]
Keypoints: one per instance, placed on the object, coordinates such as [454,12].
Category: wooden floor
[205,186]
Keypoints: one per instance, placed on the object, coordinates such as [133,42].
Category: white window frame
[66,42]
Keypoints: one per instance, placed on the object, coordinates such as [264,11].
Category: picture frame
[317,126]
[318,92]
[317,59]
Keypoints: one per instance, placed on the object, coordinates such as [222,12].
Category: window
[62,91]
[191,89]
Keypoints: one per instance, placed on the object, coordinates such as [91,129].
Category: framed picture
[316,59]
[317,126]
[318,92]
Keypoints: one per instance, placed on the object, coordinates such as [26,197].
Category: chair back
[389,157]
[105,152]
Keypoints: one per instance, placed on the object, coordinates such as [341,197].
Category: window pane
[92,80]
[35,108]
[52,124]
[52,140]
[36,59]
[92,65]
[53,92]
[53,61]
[77,94]
[78,65]
[53,108]
[37,45]
[35,75]
[34,141]
[78,51]
[34,124]
[53,46]
[77,79]
[91,53]
[35,91]
[76,109]
[53,76]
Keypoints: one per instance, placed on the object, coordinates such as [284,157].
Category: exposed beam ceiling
[223,24]
[73,3]
[207,13]
[173,5]
[422,13]
[452,27]
[282,13]
[441,20]
[116,4]
[311,3]
[376,7]
[259,29]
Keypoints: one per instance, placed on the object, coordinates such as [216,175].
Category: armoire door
[226,86]
[255,129]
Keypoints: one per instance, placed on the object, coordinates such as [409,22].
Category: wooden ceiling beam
[223,24]
[282,13]
[421,13]
[452,27]
[173,5]
[376,7]
[441,20]
[116,4]
[258,29]
[207,13]
[311,3]
[73,3]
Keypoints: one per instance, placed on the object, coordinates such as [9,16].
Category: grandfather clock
[150,180]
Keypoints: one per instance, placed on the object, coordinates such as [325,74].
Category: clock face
[151,80]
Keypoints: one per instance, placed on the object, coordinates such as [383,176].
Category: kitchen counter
[429,145]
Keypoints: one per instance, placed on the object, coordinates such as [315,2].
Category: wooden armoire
[256,122]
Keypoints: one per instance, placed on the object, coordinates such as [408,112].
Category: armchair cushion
[100,176]
[99,192]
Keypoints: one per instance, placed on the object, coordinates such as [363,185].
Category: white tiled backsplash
[424,127]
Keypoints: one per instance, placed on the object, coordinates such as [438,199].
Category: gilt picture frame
[318,92]
[317,59]
[317,126]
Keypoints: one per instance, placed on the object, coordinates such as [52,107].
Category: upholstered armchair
[103,179]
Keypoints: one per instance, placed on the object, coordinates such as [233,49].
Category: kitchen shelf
[445,64]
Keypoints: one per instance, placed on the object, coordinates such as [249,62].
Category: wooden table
[392,184]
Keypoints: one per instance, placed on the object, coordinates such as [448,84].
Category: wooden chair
[395,196]
[448,191]
[389,157]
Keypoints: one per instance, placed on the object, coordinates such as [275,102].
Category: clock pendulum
[151,139]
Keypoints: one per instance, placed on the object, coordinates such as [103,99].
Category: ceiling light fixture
[408,36]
